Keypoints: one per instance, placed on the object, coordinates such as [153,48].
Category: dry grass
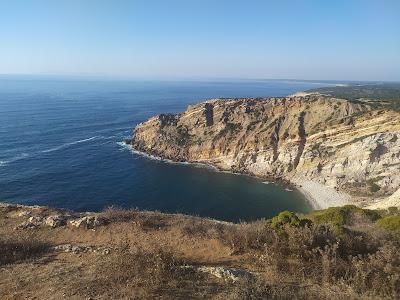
[135,272]
[310,261]
[19,247]
[151,272]
[155,255]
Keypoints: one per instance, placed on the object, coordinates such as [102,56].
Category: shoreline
[321,196]
[290,185]
[309,198]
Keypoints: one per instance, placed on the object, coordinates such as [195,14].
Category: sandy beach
[319,195]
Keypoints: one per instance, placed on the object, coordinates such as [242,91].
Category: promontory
[335,150]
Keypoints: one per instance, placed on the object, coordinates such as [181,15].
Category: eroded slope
[337,151]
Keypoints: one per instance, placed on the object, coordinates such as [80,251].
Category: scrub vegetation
[336,253]
[379,95]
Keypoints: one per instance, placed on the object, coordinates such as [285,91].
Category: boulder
[35,219]
[55,221]
[31,223]
[24,213]
[89,222]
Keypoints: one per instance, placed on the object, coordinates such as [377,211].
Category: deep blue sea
[59,146]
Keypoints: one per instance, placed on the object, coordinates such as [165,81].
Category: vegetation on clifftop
[336,253]
[378,95]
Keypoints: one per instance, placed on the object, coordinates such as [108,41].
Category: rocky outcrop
[32,223]
[349,149]
[392,201]
[56,221]
[89,222]
[61,219]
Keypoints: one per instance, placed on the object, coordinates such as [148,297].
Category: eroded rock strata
[336,151]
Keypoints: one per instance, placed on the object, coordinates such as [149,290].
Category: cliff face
[334,149]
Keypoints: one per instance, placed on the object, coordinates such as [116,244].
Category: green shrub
[290,219]
[373,187]
[337,217]
[305,222]
[285,218]
[333,216]
[390,222]
[393,210]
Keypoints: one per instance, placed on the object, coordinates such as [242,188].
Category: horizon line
[179,78]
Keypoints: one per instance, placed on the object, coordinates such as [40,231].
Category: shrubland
[337,253]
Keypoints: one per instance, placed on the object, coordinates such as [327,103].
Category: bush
[393,210]
[390,222]
[362,264]
[247,236]
[338,217]
[378,273]
[135,271]
[373,187]
[285,218]
[288,218]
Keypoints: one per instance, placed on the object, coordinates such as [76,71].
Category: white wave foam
[71,143]
[125,146]
[26,155]
[15,158]
[194,164]
[268,182]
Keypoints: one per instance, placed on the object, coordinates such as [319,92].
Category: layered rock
[336,150]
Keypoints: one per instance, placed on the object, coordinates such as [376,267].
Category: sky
[178,39]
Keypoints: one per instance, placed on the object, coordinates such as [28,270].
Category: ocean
[60,145]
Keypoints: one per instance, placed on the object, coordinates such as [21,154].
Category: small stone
[106,251]
[225,273]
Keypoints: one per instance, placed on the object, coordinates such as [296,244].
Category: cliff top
[378,95]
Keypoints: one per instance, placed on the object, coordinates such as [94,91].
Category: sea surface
[60,145]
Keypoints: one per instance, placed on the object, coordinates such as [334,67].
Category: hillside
[339,253]
[336,151]
[378,95]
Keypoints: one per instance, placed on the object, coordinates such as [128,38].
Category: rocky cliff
[336,151]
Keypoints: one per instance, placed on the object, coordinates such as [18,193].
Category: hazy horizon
[185,40]
[91,77]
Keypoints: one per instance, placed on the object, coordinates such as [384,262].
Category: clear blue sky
[338,39]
